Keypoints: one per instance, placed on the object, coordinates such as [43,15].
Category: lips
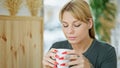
[71,38]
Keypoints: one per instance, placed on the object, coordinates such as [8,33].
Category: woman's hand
[49,59]
[77,60]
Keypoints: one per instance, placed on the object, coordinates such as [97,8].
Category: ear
[90,23]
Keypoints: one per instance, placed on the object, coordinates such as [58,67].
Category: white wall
[52,26]
[115,34]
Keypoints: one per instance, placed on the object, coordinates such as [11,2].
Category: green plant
[104,12]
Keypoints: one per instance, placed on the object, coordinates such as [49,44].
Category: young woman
[86,51]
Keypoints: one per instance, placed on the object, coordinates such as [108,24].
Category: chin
[72,41]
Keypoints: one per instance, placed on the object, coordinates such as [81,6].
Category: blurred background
[106,15]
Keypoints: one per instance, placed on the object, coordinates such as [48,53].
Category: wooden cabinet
[21,42]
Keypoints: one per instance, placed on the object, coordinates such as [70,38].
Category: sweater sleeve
[110,60]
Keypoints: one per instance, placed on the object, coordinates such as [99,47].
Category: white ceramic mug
[62,53]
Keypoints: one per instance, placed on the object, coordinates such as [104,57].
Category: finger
[51,53]
[70,57]
[70,52]
[53,50]
[77,61]
[72,63]
[74,57]
[84,57]
[46,63]
[77,66]
[86,61]
[50,63]
[73,52]
[50,60]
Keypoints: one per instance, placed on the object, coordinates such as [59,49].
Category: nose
[70,30]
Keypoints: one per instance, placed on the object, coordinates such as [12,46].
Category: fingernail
[55,50]
[61,58]
[56,63]
[56,56]
[64,52]
[55,66]
[63,64]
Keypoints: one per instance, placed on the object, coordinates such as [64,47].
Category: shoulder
[61,44]
[103,46]
[107,55]
[100,49]
[104,49]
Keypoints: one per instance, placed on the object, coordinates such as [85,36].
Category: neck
[83,45]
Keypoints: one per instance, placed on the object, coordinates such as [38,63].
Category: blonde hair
[81,11]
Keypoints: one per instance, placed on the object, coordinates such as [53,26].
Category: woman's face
[74,29]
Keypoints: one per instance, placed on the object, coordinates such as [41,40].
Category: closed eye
[77,25]
[65,25]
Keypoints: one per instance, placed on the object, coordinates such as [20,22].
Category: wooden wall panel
[21,40]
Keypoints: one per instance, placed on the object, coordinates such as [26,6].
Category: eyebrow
[72,22]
